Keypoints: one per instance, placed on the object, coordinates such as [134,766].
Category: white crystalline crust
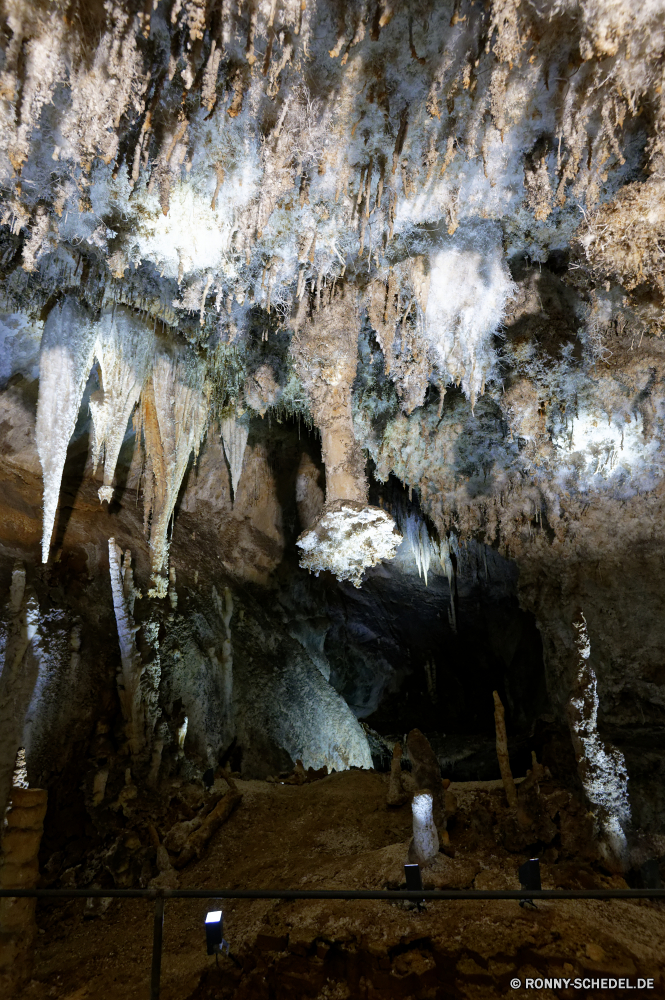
[601,766]
[468,289]
[425,834]
[211,196]
[347,540]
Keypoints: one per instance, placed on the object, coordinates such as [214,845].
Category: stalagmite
[124,348]
[349,535]
[175,414]
[66,356]
[427,772]
[132,667]
[18,677]
[502,752]
[227,663]
[397,795]
[601,767]
[425,844]
[167,878]
[235,431]
[196,842]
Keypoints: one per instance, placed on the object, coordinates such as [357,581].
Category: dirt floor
[338,833]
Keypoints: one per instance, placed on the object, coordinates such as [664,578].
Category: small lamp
[413,878]
[529,875]
[214,925]
[414,881]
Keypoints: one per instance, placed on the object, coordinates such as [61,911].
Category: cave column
[349,535]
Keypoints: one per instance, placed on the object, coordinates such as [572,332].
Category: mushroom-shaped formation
[347,538]
[349,534]
[425,844]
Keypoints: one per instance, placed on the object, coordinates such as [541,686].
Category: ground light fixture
[529,875]
[214,925]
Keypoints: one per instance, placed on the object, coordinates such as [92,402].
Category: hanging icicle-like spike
[174,414]
[235,431]
[124,348]
[66,356]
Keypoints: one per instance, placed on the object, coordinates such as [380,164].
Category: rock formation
[425,844]
[66,355]
[21,837]
[349,535]
[351,314]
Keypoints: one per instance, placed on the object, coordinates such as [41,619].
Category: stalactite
[235,431]
[174,419]
[124,348]
[66,356]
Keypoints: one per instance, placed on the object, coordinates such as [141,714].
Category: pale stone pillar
[19,869]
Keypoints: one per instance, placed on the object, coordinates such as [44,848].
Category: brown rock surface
[337,832]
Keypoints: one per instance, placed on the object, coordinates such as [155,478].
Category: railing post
[157,931]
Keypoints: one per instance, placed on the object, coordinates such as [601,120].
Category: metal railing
[417,896]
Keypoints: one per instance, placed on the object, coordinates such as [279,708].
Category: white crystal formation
[425,845]
[602,767]
[347,539]
[469,286]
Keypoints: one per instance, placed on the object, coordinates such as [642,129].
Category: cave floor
[338,833]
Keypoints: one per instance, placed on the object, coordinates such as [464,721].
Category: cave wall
[367,289]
